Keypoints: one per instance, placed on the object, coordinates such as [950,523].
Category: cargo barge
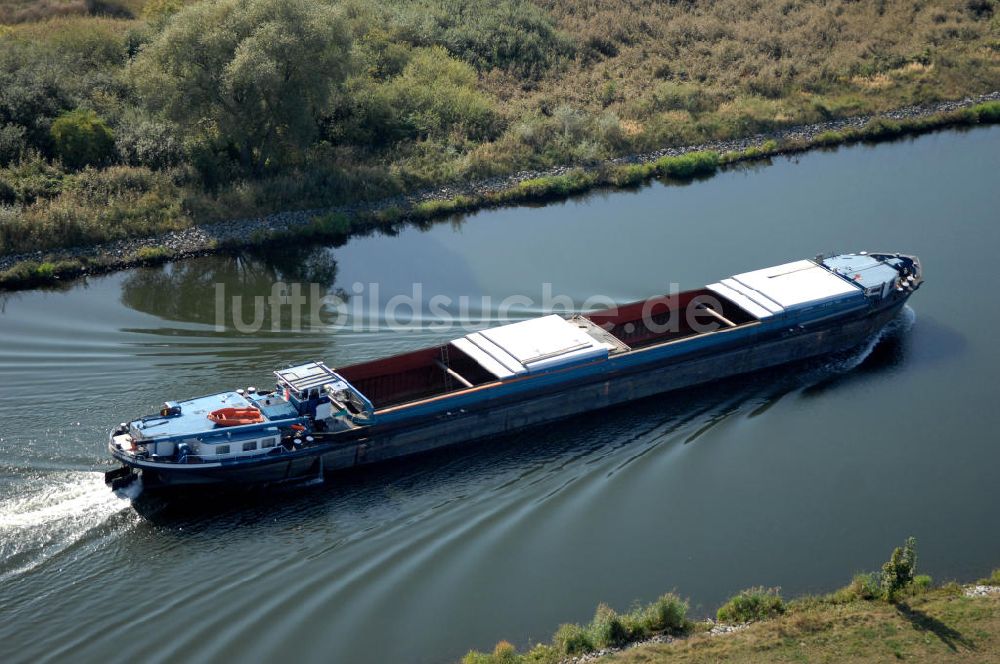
[319,419]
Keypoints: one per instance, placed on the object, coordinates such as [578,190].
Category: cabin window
[222,449]
[268,442]
[249,447]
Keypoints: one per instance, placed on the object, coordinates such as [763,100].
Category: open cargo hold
[540,344]
[494,381]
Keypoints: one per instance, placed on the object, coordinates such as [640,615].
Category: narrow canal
[795,478]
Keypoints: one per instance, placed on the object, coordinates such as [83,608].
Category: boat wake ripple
[898,325]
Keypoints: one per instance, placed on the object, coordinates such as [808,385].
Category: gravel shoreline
[981,591]
[208,239]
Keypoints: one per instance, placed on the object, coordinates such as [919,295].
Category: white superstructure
[531,345]
[777,289]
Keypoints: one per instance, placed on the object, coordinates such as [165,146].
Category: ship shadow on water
[631,430]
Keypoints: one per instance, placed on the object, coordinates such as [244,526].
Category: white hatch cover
[531,345]
[772,290]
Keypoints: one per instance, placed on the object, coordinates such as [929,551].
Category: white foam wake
[45,515]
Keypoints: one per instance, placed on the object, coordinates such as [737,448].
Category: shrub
[33,179]
[160,10]
[687,166]
[46,270]
[152,255]
[568,135]
[82,139]
[24,272]
[608,93]
[436,94]
[68,267]
[571,639]
[8,196]
[897,572]
[668,613]
[334,225]
[765,149]
[12,143]
[505,653]
[980,9]
[992,580]
[438,207]
[91,206]
[966,116]
[630,174]
[551,186]
[30,273]
[864,586]
[142,141]
[881,128]
[669,95]
[607,628]
[637,623]
[988,112]
[829,138]
[514,35]
[476,657]
[388,215]
[895,577]
[750,605]
[731,156]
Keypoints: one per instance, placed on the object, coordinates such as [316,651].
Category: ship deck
[474,361]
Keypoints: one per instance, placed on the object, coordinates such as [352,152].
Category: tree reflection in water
[187,291]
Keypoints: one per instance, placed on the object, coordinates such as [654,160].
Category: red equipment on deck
[234,417]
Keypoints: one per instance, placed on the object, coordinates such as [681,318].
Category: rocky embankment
[201,240]
[981,591]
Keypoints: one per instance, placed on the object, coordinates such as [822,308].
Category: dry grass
[681,72]
[770,48]
[27,11]
[938,626]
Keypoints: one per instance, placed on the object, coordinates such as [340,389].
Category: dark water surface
[796,477]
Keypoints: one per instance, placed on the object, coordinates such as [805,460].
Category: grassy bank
[938,625]
[125,118]
[337,226]
[36,274]
[887,615]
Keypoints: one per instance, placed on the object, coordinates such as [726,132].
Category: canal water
[795,477]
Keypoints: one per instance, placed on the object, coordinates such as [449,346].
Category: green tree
[82,139]
[251,75]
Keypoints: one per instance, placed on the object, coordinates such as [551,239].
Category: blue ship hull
[511,377]
[491,412]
